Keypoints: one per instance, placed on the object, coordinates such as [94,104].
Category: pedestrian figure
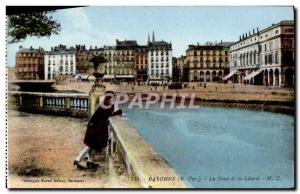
[97,131]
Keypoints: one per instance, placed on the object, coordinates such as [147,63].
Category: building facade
[109,67]
[264,56]
[180,63]
[30,64]
[206,63]
[59,61]
[83,64]
[125,59]
[141,62]
[159,61]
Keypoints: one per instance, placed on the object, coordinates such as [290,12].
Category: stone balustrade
[68,104]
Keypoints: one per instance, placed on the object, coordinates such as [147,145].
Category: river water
[213,147]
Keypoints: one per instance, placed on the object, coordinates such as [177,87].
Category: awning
[91,77]
[125,76]
[253,74]
[230,74]
[108,76]
[81,76]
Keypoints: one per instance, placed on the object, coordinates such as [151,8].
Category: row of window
[53,75]
[30,55]
[209,60]
[28,69]
[254,39]
[125,58]
[61,63]
[249,60]
[196,53]
[162,66]
[30,61]
[159,52]
[275,44]
[142,61]
[158,75]
[119,72]
[120,53]
[25,75]
[162,59]
[203,65]
[62,56]
[61,69]
[271,58]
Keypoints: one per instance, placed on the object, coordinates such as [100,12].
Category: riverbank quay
[275,99]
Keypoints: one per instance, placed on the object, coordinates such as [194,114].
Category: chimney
[253,31]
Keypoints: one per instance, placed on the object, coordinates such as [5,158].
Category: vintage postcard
[151,97]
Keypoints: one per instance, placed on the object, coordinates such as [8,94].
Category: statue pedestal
[96,92]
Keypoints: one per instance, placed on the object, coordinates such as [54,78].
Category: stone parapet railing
[140,158]
[68,104]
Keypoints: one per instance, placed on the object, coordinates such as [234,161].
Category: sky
[100,25]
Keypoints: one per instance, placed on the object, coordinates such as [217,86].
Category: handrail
[51,94]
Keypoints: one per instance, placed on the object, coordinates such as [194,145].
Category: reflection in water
[219,142]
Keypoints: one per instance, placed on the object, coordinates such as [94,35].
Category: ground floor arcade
[271,76]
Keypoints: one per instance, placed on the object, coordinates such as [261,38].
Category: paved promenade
[44,147]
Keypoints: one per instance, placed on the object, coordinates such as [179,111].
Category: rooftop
[61,49]
[30,50]
[210,46]
[249,35]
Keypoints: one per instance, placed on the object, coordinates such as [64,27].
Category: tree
[37,24]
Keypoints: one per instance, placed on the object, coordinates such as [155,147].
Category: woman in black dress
[97,131]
